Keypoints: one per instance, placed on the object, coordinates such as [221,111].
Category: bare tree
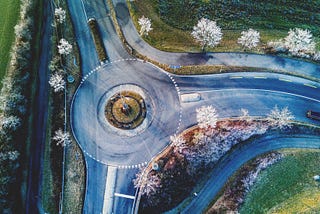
[62,138]
[207,33]
[249,39]
[11,122]
[60,14]
[280,118]
[245,115]
[64,47]
[147,182]
[178,142]
[57,82]
[145,25]
[300,42]
[207,117]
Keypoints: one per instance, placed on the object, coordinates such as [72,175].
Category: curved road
[230,59]
[239,156]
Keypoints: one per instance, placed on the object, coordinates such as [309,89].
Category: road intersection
[104,149]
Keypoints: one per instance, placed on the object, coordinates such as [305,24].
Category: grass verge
[102,54]
[287,186]
[8,19]
[168,38]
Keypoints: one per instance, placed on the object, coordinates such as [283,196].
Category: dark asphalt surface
[89,132]
[109,147]
[33,198]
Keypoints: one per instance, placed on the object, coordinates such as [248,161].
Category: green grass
[287,186]
[8,18]
[102,54]
[171,31]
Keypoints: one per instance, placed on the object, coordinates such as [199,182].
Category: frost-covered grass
[287,186]
[170,34]
[8,19]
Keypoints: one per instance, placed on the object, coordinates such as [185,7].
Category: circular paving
[125,147]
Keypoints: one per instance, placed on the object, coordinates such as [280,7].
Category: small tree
[64,47]
[11,122]
[249,39]
[207,33]
[206,117]
[245,115]
[60,15]
[300,42]
[61,138]
[148,183]
[57,82]
[178,142]
[145,25]
[280,118]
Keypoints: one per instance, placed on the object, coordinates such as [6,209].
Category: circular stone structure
[125,110]
[115,146]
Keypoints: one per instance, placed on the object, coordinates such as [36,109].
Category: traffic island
[125,110]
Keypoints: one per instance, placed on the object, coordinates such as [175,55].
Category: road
[33,197]
[103,146]
[231,59]
[233,161]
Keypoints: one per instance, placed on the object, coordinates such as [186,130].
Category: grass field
[8,18]
[287,186]
[171,30]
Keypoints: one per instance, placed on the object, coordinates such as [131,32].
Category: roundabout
[125,110]
[119,118]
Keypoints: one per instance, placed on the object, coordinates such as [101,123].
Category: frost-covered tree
[62,138]
[11,122]
[280,118]
[60,15]
[207,33]
[64,47]
[57,82]
[249,39]
[178,142]
[245,115]
[316,56]
[300,42]
[148,183]
[145,25]
[207,117]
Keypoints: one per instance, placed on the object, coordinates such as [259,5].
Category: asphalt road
[33,196]
[109,147]
[239,156]
[101,145]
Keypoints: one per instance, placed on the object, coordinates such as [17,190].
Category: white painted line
[236,77]
[309,85]
[124,196]
[260,77]
[285,80]
[109,190]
